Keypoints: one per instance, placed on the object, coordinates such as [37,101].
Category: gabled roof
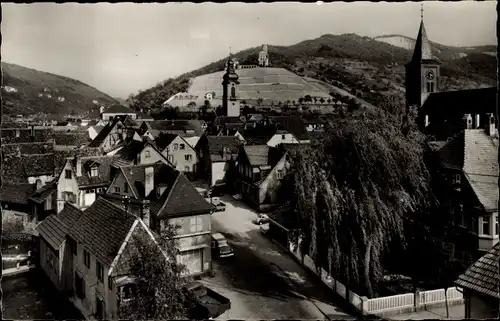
[103,164]
[293,124]
[43,192]
[164,139]
[130,150]
[181,199]
[102,229]
[257,154]
[455,104]
[103,134]
[118,109]
[481,153]
[53,230]
[136,176]
[216,144]
[16,193]
[482,276]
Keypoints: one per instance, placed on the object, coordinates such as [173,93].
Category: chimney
[468,121]
[149,184]
[477,121]
[491,129]
[78,166]
[426,121]
[145,213]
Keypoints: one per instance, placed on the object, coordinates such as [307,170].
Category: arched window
[233,91]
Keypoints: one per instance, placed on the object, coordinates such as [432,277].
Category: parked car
[220,247]
[261,219]
[208,303]
[219,205]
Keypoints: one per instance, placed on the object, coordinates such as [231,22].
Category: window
[125,187]
[457,179]
[67,174]
[79,286]
[283,137]
[196,224]
[430,87]
[170,158]
[100,271]
[280,174]
[86,258]
[127,292]
[99,308]
[72,245]
[176,146]
[486,225]
[183,146]
[94,172]
[146,154]
[69,197]
[188,157]
[110,283]
[117,189]
[187,169]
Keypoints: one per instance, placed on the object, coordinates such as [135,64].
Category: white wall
[282,139]
[43,178]
[66,185]
[218,171]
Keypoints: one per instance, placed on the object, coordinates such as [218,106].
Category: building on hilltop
[438,109]
[264,57]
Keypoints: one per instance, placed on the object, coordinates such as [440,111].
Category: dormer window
[94,172]
[183,146]
[280,174]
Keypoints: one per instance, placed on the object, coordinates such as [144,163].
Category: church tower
[230,104]
[422,72]
[263,57]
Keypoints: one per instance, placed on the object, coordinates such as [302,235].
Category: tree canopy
[355,188]
[157,279]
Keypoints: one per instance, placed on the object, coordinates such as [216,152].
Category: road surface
[261,280]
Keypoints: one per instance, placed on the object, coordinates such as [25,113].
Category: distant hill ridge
[29,91]
[337,53]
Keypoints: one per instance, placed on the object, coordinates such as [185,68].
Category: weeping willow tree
[355,187]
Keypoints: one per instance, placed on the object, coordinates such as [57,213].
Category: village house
[132,152]
[179,153]
[480,287]
[29,168]
[173,200]
[83,254]
[261,170]
[117,110]
[115,132]
[81,178]
[468,166]
[216,153]
[43,202]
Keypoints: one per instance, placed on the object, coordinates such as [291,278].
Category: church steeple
[422,72]
[230,103]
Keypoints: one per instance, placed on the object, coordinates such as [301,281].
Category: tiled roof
[130,150]
[27,148]
[16,193]
[455,104]
[486,190]
[102,229]
[164,139]
[451,153]
[216,144]
[118,109]
[41,164]
[483,276]
[73,138]
[103,169]
[53,230]
[70,214]
[136,176]
[481,153]
[257,154]
[183,199]
[292,124]
[43,192]
[222,120]
[103,134]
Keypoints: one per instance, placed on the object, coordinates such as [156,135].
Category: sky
[122,48]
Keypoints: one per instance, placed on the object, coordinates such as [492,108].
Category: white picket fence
[386,305]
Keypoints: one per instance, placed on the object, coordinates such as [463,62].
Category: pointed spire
[423,50]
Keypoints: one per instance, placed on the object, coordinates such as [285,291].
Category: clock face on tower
[429,75]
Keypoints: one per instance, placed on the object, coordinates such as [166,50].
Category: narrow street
[261,280]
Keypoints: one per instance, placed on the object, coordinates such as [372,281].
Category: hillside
[350,62]
[29,91]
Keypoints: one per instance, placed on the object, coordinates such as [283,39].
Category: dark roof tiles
[16,193]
